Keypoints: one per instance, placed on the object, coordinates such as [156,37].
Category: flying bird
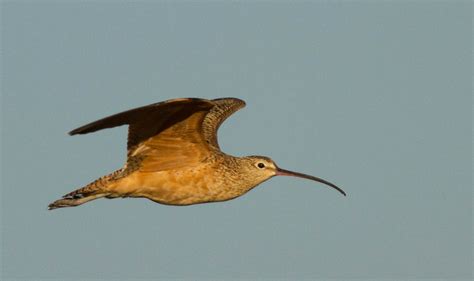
[173,157]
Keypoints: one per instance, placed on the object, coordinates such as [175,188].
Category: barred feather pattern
[217,115]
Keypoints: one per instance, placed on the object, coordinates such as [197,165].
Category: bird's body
[174,158]
[214,180]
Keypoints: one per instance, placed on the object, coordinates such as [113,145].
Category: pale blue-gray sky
[375,97]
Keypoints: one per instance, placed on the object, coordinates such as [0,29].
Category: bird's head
[261,168]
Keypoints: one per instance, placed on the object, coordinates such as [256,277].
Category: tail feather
[73,202]
[94,190]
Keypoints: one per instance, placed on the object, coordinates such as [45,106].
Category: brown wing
[170,134]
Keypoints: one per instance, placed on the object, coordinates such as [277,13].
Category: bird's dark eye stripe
[261,165]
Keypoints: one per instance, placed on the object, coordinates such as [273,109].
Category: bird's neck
[237,173]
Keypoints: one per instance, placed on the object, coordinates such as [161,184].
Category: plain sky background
[375,97]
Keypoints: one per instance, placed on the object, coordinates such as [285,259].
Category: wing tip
[78,131]
[236,101]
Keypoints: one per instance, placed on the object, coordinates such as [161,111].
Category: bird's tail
[94,190]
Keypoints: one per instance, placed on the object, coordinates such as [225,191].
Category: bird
[173,157]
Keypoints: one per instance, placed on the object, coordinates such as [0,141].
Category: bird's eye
[261,165]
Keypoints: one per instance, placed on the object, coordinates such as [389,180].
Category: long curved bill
[282,172]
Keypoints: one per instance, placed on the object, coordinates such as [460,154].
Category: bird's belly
[177,187]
